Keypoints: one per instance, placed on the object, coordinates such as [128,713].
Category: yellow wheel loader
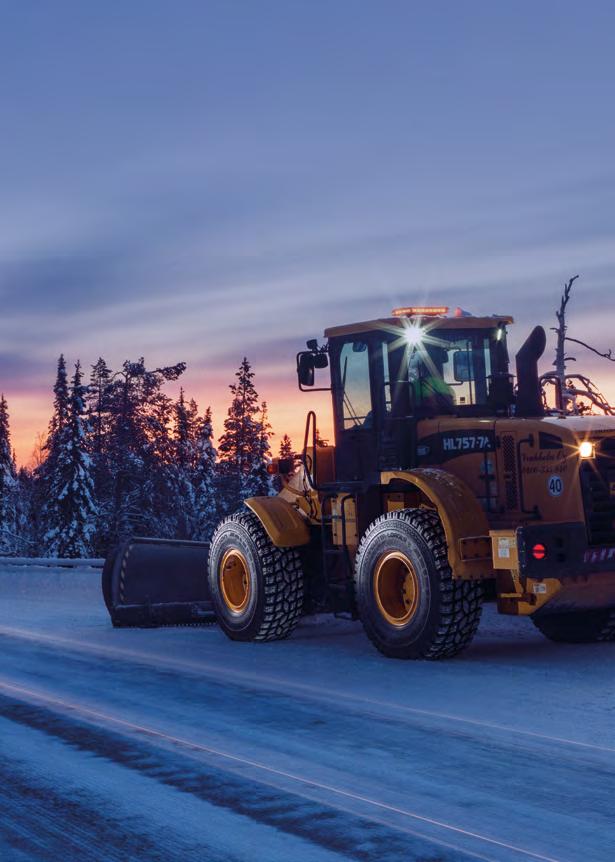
[447,486]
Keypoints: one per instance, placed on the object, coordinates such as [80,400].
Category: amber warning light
[421,311]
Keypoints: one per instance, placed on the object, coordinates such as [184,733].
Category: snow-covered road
[176,744]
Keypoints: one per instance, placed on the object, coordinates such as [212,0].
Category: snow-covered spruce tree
[61,402]
[288,454]
[45,472]
[241,428]
[257,482]
[71,508]
[183,500]
[98,409]
[286,449]
[139,451]
[160,465]
[27,520]
[98,404]
[207,510]
[9,540]
[241,445]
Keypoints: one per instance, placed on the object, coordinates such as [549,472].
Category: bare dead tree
[571,389]
[562,401]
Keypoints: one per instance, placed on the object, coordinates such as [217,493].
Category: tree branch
[608,355]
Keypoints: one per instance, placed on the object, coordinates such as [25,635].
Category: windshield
[446,370]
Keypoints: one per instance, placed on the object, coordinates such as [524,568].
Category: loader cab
[387,375]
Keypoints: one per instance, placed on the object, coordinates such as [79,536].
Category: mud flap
[155,582]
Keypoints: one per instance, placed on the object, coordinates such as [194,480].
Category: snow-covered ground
[176,744]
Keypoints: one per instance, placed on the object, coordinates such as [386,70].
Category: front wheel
[256,587]
[409,603]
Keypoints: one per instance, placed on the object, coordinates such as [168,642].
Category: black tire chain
[564,633]
[282,579]
[607,632]
[461,602]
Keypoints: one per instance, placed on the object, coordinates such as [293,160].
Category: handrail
[310,472]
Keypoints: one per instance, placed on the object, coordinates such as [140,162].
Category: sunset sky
[202,180]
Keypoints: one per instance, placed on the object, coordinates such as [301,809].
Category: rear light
[539,551]
[272,468]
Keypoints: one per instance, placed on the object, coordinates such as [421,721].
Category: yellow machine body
[496,483]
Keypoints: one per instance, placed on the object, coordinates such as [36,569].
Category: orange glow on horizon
[30,414]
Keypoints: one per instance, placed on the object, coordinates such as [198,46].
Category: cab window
[452,372]
[355,385]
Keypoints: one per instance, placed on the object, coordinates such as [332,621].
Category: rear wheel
[408,601]
[577,627]
[256,587]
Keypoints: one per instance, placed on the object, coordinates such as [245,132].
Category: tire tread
[282,579]
[460,601]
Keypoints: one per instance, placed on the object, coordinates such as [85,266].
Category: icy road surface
[176,744]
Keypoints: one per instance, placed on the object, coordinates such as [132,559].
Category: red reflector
[539,552]
[272,469]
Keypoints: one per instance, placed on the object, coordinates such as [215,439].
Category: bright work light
[586,449]
[413,335]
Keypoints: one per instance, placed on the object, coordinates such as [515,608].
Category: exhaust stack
[529,397]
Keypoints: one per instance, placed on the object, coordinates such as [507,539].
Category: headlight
[586,449]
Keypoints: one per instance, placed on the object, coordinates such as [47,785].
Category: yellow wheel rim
[234,577]
[396,588]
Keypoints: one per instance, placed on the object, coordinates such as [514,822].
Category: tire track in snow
[43,824]
[110,736]
[376,707]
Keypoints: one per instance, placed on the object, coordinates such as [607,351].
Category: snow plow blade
[155,582]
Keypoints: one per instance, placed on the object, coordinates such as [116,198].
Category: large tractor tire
[256,587]
[577,627]
[408,602]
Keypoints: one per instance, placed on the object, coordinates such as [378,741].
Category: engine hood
[579,427]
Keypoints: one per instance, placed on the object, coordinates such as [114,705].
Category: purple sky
[200,180]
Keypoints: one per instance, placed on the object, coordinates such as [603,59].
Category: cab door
[356,419]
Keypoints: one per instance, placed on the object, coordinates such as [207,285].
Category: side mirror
[307,362]
[305,369]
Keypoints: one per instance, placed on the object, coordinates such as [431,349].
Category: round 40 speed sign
[555,485]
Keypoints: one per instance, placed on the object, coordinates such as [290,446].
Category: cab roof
[393,324]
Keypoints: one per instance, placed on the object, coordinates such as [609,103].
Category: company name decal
[544,462]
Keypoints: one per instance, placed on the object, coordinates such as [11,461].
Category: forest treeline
[122,458]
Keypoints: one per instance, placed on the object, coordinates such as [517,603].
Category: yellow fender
[282,522]
[465,524]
